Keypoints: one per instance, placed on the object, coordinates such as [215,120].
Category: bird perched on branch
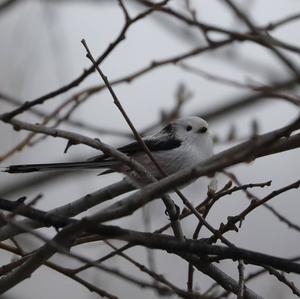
[181,144]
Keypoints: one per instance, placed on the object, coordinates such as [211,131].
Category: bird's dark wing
[154,144]
[161,141]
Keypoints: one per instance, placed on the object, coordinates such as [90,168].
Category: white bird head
[194,131]
[190,126]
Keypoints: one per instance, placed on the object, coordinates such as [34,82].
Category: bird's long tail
[60,166]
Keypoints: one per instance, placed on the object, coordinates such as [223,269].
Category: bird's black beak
[202,130]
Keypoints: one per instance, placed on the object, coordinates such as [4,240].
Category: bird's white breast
[171,161]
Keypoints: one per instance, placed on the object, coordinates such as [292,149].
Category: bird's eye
[188,128]
[202,130]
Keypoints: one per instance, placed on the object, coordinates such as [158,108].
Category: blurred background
[41,51]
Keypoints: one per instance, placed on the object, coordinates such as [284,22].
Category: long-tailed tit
[181,144]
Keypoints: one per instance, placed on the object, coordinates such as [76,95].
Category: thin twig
[167,201]
[241,268]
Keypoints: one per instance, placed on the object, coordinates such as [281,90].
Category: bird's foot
[175,216]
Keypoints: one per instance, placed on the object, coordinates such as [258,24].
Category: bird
[180,144]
